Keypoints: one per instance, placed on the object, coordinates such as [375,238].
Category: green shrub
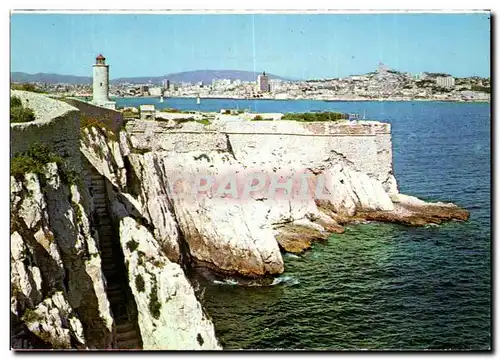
[257,118]
[26,87]
[87,122]
[15,101]
[183,120]
[19,114]
[132,245]
[34,160]
[172,110]
[130,114]
[203,122]
[139,283]
[31,316]
[154,304]
[315,116]
[481,89]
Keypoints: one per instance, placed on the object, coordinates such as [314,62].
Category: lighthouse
[100,85]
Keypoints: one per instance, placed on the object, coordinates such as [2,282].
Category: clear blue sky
[290,45]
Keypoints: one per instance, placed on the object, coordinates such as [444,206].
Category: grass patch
[19,113]
[31,316]
[158,264]
[132,245]
[172,110]
[27,87]
[87,122]
[15,102]
[315,116]
[154,304]
[34,160]
[202,156]
[260,118]
[131,114]
[203,122]
[183,120]
[192,119]
[139,283]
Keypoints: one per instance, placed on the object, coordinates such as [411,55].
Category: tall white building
[275,85]
[445,81]
[263,82]
[100,83]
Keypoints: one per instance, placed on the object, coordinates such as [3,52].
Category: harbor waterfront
[179,201]
[379,286]
[280,106]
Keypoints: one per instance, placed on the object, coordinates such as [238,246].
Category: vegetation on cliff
[26,87]
[314,116]
[19,113]
[34,160]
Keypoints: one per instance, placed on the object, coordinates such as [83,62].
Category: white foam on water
[285,280]
[226,282]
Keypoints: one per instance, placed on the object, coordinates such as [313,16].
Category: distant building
[382,68]
[155,91]
[166,84]
[220,83]
[148,112]
[144,90]
[263,83]
[100,84]
[445,81]
[275,85]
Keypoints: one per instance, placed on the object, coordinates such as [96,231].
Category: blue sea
[380,286]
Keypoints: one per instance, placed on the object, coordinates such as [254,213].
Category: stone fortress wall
[366,144]
[56,123]
[111,118]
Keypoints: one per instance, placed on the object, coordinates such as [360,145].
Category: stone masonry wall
[366,144]
[111,118]
[158,136]
[56,123]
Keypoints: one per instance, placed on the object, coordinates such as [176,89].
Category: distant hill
[49,78]
[206,76]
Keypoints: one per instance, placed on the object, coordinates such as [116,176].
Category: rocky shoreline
[104,259]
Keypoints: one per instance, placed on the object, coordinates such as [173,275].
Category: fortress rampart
[366,144]
[112,119]
[56,123]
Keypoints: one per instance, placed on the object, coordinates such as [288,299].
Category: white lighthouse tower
[100,86]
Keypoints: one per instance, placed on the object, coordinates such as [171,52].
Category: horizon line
[249,71]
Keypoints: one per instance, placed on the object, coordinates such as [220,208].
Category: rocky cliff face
[101,263]
[57,287]
[67,240]
[236,236]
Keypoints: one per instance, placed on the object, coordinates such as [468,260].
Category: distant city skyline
[294,46]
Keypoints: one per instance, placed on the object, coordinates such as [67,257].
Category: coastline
[310,99]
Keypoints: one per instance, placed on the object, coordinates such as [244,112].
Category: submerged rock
[298,238]
[411,211]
